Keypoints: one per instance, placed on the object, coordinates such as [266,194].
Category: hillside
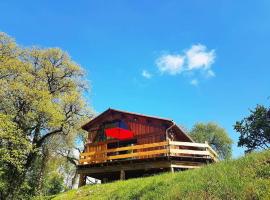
[245,178]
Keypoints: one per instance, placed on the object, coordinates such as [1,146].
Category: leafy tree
[216,136]
[14,148]
[41,93]
[254,130]
[65,155]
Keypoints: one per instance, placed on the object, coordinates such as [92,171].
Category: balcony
[169,149]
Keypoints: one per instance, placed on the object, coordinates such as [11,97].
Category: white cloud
[199,58]
[194,82]
[196,58]
[171,64]
[210,73]
[146,74]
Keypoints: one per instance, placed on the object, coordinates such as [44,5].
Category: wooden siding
[141,127]
[145,130]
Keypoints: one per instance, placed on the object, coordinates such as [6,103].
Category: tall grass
[245,178]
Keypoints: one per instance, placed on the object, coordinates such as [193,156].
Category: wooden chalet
[124,145]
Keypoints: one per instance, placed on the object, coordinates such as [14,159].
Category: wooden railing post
[206,147]
[168,147]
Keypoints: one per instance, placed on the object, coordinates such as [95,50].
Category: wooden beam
[213,151]
[189,163]
[189,152]
[130,155]
[188,144]
[138,154]
[135,147]
[126,167]
[185,166]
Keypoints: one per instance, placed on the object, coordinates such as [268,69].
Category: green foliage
[54,184]
[254,130]
[245,178]
[14,148]
[216,136]
[43,107]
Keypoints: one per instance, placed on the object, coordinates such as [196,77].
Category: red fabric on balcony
[119,133]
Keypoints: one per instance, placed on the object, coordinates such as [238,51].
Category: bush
[54,184]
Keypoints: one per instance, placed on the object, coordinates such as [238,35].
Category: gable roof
[109,110]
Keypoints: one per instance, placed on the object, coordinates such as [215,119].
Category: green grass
[245,178]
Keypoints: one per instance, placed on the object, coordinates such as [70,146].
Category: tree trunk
[74,183]
[40,177]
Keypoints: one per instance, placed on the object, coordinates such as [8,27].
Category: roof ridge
[127,112]
[140,114]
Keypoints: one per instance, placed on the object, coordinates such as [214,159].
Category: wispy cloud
[146,74]
[210,73]
[196,58]
[194,82]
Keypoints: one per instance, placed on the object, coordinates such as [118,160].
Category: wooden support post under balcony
[82,180]
[122,175]
[172,169]
[105,180]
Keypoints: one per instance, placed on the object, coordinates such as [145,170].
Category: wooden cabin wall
[146,130]
[143,129]
[140,126]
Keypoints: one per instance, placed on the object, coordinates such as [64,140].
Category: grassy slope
[245,178]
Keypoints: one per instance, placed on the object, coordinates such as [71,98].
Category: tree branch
[43,138]
[72,160]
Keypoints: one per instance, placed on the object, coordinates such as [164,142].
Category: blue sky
[201,60]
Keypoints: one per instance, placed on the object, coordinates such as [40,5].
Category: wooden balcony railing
[165,148]
[181,149]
